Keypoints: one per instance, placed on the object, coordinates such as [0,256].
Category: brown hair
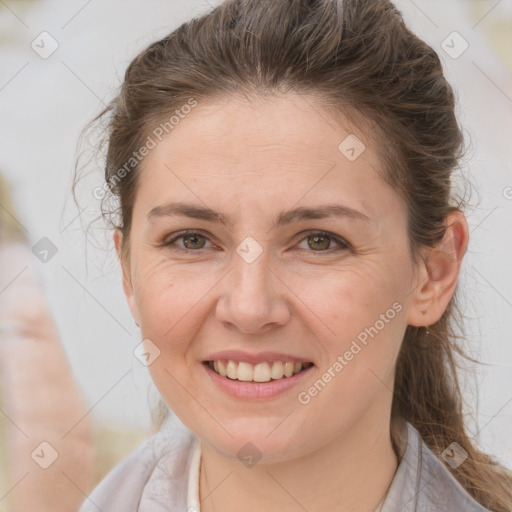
[361,60]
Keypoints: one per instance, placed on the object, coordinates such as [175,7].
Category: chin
[258,440]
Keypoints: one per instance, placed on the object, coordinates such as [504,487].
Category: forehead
[230,128]
[263,149]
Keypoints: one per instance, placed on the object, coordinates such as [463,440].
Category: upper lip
[260,357]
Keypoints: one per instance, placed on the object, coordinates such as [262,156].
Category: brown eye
[194,241]
[319,242]
[187,241]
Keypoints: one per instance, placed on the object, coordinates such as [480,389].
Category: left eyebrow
[283,218]
[321,212]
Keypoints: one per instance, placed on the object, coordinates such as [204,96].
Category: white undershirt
[193,482]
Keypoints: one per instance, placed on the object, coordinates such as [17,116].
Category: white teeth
[288,369]
[261,372]
[245,372]
[232,370]
[222,368]
[277,371]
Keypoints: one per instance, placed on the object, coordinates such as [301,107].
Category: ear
[439,272]
[124,262]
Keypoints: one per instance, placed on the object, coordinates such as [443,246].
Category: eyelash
[342,244]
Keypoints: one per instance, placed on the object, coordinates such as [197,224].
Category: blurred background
[61,62]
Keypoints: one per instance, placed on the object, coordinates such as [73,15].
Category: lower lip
[256,390]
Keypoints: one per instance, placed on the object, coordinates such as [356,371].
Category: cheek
[356,292]
[171,311]
[362,307]
[360,311]
[171,302]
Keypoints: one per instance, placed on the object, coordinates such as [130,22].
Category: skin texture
[250,159]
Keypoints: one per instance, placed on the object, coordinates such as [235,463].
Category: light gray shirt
[155,478]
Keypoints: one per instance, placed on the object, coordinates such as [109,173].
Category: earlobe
[440,272]
[118,243]
[126,274]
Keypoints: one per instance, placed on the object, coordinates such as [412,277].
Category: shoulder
[436,488]
[124,486]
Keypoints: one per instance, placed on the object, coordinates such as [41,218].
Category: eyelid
[342,243]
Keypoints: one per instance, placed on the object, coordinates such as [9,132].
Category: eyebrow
[283,218]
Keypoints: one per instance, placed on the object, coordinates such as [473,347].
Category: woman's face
[255,281]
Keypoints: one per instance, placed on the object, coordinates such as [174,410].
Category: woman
[290,249]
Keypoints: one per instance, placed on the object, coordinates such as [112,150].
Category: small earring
[426,326]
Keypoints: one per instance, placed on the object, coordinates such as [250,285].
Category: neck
[352,473]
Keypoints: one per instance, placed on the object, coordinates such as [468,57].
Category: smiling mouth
[261,372]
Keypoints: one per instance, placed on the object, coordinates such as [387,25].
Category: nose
[253,298]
